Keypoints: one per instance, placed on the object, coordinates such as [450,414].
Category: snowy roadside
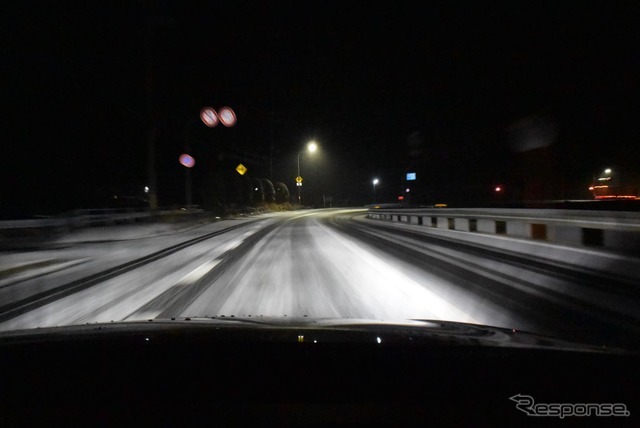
[43,256]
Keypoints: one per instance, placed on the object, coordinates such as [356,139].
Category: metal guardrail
[614,230]
[93,217]
[27,233]
[32,223]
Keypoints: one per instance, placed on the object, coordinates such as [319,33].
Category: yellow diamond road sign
[241,169]
[298,179]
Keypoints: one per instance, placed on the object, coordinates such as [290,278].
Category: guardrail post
[592,237]
[442,222]
[516,228]
[556,227]
[538,231]
[464,224]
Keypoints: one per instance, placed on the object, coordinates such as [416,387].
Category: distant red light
[401,198]
[616,197]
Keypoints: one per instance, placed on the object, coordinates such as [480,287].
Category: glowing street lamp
[312,147]
[606,175]
[374,182]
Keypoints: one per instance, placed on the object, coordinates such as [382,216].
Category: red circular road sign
[227,116]
[209,117]
[187,160]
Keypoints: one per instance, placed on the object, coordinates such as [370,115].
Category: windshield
[472,162]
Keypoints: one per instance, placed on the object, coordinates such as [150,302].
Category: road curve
[334,263]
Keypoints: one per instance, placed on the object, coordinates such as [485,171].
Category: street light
[375,181]
[606,175]
[311,147]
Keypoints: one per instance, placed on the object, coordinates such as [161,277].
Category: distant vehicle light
[440,205]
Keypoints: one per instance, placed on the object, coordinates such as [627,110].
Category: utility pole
[154,19]
[151,125]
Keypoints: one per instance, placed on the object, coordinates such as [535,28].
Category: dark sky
[470,94]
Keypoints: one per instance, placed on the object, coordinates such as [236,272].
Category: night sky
[535,96]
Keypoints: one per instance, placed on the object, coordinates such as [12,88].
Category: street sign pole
[299,183]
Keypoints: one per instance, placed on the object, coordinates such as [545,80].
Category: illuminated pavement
[306,263]
[303,267]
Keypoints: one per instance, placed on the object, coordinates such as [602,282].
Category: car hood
[306,330]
